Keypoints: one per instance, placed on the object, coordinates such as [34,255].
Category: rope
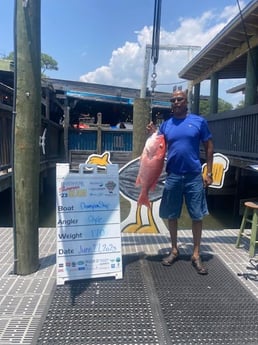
[248,275]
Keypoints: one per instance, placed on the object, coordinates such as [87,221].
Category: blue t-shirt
[183,138]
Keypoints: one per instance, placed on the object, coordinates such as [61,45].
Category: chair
[250,216]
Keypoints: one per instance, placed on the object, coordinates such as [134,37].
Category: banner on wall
[88,223]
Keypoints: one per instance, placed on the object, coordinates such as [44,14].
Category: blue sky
[103,41]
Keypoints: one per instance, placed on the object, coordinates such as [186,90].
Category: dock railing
[235,132]
[53,141]
[5,140]
[100,139]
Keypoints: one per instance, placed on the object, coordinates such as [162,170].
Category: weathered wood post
[26,157]
[141,117]
[251,77]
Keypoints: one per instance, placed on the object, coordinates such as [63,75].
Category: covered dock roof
[114,102]
[103,93]
[226,54]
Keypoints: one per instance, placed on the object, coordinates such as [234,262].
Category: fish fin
[138,181]
[152,188]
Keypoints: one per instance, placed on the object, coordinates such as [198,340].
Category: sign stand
[88,223]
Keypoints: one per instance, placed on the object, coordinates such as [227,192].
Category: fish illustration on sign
[151,165]
[140,219]
[100,160]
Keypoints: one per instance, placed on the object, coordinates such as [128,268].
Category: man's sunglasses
[178,99]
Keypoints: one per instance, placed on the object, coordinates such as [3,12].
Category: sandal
[198,265]
[169,260]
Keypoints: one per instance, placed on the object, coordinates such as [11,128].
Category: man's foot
[169,260]
[198,265]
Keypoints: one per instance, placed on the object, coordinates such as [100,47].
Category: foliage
[47,62]
[9,57]
[222,106]
[240,105]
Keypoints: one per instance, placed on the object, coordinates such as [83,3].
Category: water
[221,215]
[221,210]
[46,208]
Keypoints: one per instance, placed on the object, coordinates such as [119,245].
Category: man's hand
[207,181]
[151,128]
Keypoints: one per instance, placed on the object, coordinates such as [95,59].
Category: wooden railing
[5,139]
[100,139]
[235,132]
[54,142]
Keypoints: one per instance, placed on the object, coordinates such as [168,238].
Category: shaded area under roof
[226,54]
[103,93]
[115,103]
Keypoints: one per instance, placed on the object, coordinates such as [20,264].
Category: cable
[156,32]
[250,276]
[246,35]
[178,83]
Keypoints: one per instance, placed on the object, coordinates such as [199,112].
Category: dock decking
[24,300]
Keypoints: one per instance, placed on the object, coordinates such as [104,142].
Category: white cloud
[125,67]
[231,11]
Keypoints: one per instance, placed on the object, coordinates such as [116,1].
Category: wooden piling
[26,137]
[141,118]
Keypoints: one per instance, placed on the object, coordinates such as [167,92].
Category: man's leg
[197,234]
[173,256]
[172,227]
[170,208]
[197,207]
[196,259]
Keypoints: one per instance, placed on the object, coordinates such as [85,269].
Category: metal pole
[145,72]
[147,61]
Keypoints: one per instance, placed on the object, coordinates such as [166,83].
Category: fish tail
[144,200]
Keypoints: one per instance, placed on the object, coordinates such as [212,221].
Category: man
[183,134]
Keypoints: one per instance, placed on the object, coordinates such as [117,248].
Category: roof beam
[236,53]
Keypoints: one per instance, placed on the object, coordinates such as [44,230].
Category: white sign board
[88,223]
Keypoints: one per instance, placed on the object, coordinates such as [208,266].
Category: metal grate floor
[212,309]
[154,305]
[25,300]
[105,311]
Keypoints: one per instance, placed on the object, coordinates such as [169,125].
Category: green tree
[204,107]
[241,104]
[47,62]
[222,106]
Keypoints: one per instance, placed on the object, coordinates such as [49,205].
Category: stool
[250,216]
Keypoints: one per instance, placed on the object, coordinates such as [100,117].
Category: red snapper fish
[151,165]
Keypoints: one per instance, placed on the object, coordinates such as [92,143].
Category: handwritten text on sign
[88,224]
